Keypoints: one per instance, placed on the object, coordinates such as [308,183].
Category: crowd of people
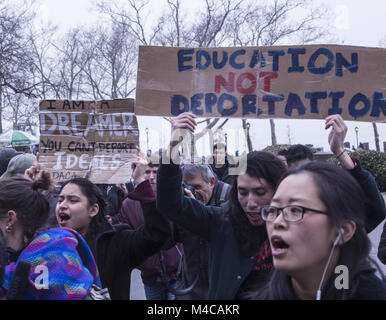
[278,230]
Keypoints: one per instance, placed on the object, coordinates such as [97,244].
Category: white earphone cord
[319,292]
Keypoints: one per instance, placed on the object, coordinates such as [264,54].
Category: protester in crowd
[297,155]
[313,230]
[246,260]
[5,156]
[375,204]
[51,195]
[115,195]
[114,198]
[158,273]
[18,165]
[220,165]
[194,265]
[118,249]
[70,268]
[207,189]
[282,155]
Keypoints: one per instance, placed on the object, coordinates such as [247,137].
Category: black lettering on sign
[50,145]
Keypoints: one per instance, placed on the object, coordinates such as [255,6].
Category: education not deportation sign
[302,82]
[92,139]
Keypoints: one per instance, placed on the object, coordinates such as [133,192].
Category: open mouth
[254,216]
[63,217]
[279,246]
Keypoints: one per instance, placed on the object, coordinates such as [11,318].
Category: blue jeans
[159,291]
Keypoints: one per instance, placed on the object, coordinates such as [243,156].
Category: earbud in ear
[341,233]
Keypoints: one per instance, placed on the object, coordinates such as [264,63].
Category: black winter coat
[367,287]
[375,204]
[228,267]
[196,250]
[121,249]
[222,173]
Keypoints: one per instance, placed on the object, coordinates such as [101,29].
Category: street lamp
[248,125]
[356,132]
[147,138]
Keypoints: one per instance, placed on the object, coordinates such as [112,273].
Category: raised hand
[181,125]
[140,153]
[139,168]
[32,172]
[189,193]
[184,121]
[336,140]
[337,134]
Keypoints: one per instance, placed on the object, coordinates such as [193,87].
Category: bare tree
[43,60]
[16,76]
[209,30]
[110,62]
[289,134]
[67,80]
[21,112]
[134,15]
[273,132]
[246,127]
[376,136]
[262,23]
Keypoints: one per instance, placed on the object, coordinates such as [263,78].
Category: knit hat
[5,156]
[18,164]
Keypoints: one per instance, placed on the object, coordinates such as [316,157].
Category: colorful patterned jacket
[62,266]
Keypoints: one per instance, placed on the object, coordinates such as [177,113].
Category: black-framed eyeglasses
[291,213]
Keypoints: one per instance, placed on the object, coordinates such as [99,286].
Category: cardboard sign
[91,139]
[296,82]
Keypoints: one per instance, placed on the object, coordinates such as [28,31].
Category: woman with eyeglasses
[240,254]
[316,228]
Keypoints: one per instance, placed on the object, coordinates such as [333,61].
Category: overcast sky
[356,22]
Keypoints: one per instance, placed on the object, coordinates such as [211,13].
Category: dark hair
[94,195]
[298,152]
[220,145]
[26,199]
[260,164]
[283,152]
[344,200]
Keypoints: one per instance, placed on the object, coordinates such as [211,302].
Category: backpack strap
[224,191]
[176,292]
